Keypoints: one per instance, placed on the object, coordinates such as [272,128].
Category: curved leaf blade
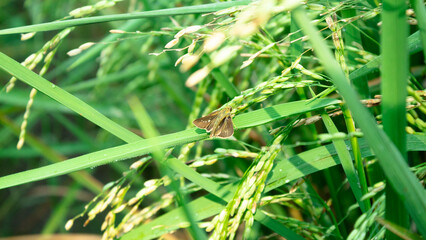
[140,147]
[205,8]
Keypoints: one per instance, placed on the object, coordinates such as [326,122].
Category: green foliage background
[126,97]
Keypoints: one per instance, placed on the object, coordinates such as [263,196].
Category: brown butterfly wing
[211,125]
[226,128]
[217,130]
[206,122]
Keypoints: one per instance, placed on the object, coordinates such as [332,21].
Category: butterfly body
[218,123]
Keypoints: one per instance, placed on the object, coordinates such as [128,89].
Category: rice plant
[213,120]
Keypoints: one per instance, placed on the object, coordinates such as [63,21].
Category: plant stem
[394,84]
